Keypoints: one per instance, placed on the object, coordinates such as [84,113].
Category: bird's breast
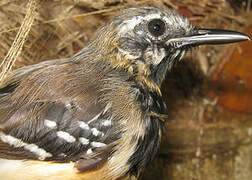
[153,109]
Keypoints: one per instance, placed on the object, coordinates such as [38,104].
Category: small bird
[98,114]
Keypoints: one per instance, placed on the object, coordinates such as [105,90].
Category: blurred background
[208,132]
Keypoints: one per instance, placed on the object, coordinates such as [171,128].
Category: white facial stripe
[50,124]
[128,55]
[17,143]
[66,136]
[158,55]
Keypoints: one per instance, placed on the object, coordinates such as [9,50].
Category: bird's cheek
[129,54]
[155,56]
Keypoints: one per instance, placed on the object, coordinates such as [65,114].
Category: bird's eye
[156,27]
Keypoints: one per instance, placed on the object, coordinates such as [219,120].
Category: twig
[20,39]
[248,5]
[68,17]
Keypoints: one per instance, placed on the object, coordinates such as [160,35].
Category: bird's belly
[39,170]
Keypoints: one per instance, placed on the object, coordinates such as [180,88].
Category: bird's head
[146,41]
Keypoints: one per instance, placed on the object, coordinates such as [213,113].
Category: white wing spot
[62,155]
[107,123]
[17,143]
[84,141]
[89,151]
[12,140]
[66,136]
[97,144]
[38,151]
[68,105]
[83,125]
[96,132]
[50,124]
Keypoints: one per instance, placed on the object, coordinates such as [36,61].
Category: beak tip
[216,36]
[245,37]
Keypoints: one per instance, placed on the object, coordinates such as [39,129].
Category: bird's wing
[42,120]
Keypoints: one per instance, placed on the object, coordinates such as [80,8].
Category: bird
[98,114]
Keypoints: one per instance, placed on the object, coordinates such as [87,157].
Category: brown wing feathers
[53,121]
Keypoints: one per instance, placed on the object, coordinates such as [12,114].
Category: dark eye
[156,27]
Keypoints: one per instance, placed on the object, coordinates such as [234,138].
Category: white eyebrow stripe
[66,136]
[131,23]
[18,143]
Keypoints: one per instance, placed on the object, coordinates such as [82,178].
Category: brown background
[208,94]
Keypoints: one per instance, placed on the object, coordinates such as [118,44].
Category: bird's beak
[207,36]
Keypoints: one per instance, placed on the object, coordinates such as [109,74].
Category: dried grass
[60,28]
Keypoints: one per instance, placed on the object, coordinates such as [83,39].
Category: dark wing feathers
[53,125]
